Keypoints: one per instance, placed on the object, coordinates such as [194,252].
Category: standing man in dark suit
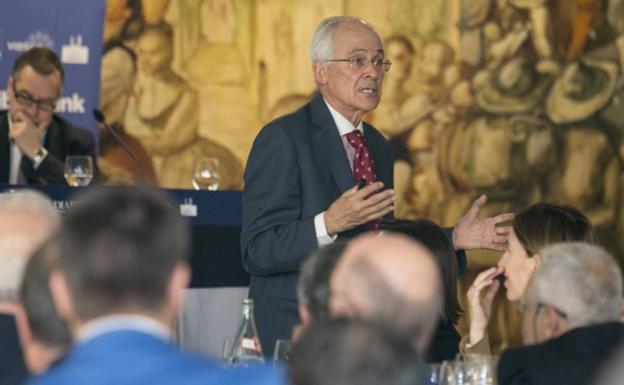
[301,182]
[33,140]
[572,311]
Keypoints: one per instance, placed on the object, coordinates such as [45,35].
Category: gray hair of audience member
[354,352]
[322,47]
[28,217]
[119,248]
[581,280]
[313,287]
[45,324]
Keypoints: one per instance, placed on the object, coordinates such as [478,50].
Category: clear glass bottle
[246,349]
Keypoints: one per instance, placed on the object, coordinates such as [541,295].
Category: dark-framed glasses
[46,105]
[359,63]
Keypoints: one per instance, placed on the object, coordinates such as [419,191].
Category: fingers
[488,275]
[479,202]
[502,230]
[378,205]
[491,292]
[369,189]
[506,217]
[350,191]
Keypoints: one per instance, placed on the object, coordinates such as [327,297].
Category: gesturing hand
[481,304]
[471,232]
[355,207]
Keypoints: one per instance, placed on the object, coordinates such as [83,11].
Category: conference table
[219,282]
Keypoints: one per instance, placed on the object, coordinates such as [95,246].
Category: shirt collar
[343,124]
[118,322]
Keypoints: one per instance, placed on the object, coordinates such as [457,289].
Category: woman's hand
[481,303]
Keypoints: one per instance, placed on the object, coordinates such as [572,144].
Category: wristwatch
[39,156]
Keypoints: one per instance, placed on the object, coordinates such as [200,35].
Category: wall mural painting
[519,99]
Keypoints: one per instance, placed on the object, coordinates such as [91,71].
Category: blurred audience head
[534,228]
[391,279]
[43,334]
[313,287]
[123,250]
[433,238]
[354,352]
[27,218]
[577,284]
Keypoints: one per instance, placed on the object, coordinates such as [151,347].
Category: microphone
[99,117]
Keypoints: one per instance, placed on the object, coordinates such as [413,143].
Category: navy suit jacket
[296,168]
[574,358]
[131,357]
[12,366]
[61,140]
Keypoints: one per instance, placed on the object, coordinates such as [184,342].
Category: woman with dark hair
[444,344]
[533,228]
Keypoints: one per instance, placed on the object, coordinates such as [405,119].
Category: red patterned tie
[363,166]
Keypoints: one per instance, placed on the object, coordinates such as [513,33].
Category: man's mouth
[369,90]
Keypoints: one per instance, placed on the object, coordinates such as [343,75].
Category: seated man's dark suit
[12,367]
[296,169]
[61,140]
[574,358]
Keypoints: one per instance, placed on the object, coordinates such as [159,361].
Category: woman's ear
[536,260]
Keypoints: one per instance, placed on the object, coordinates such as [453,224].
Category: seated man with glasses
[571,318]
[33,140]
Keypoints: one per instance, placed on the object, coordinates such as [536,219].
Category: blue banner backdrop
[72,29]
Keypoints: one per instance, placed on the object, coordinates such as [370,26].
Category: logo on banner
[35,39]
[75,52]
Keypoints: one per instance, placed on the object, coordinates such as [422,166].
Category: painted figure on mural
[122,24]
[588,173]
[398,113]
[167,104]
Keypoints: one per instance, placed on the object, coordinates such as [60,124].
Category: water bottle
[246,349]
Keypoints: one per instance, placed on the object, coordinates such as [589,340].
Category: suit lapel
[5,148]
[330,143]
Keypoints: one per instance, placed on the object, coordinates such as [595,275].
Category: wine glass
[283,349]
[78,170]
[206,174]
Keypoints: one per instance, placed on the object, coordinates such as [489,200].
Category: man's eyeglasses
[28,101]
[360,63]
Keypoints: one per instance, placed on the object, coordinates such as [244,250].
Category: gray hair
[322,46]
[18,242]
[581,280]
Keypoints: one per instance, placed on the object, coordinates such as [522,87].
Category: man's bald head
[392,279]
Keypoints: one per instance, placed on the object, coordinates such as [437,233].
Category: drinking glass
[282,351]
[206,174]
[227,350]
[78,170]
[433,374]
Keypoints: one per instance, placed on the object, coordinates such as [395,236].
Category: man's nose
[370,70]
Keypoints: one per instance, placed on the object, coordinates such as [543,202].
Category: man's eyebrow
[358,50]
